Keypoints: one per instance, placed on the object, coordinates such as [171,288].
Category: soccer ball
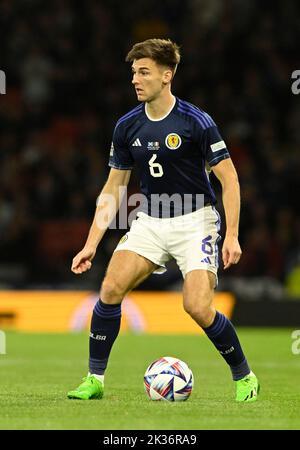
[168,379]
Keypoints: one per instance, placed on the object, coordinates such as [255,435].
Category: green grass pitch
[37,371]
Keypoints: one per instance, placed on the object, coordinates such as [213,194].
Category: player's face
[149,79]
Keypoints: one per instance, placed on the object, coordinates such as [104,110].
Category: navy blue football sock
[105,327]
[223,335]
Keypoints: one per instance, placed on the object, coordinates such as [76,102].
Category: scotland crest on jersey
[173,141]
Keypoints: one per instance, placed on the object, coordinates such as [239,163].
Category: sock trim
[107,311]
[217,326]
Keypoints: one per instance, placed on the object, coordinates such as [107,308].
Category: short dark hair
[163,51]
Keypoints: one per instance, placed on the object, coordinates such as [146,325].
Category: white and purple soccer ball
[168,379]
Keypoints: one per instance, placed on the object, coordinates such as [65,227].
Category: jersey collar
[163,117]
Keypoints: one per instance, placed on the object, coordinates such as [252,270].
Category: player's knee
[202,314]
[111,291]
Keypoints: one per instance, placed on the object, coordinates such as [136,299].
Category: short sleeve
[120,156]
[213,146]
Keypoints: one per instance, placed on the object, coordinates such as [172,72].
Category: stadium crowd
[67,84]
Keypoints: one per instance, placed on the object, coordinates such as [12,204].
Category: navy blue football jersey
[173,155]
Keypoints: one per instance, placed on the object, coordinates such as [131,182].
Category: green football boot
[247,389]
[89,389]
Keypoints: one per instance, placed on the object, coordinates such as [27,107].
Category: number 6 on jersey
[159,170]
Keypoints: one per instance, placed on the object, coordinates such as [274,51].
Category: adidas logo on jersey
[137,143]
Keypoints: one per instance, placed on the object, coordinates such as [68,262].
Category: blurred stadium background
[67,84]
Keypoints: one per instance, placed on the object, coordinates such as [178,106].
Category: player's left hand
[231,251]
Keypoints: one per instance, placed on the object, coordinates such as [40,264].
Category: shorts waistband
[185,217]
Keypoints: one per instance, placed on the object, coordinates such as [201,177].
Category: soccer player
[174,144]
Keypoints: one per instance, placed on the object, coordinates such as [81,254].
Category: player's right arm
[108,204]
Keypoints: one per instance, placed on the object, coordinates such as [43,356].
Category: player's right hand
[83,261]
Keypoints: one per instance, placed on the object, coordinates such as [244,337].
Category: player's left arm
[227,175]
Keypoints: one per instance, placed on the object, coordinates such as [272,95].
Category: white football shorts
[190,239]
